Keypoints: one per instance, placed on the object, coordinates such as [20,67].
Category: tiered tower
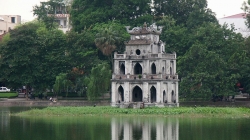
[144,73]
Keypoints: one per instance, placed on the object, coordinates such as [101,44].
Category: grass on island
[223,112]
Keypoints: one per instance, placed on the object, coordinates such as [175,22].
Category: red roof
[241,15]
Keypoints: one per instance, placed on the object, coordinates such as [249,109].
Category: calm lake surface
[119,128]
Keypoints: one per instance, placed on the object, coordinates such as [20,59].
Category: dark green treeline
[211,58]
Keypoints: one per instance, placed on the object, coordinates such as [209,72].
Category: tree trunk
[27,92]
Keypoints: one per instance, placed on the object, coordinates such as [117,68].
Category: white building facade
[63,21]
[8,22]
[239,22]
[61,14]
[144,73]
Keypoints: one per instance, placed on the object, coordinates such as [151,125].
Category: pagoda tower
[144,73]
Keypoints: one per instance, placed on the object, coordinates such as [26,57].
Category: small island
[200,112]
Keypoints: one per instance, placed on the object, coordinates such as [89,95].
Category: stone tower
[144,73]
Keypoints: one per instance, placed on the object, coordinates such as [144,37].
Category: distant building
[8,22]
[239,22]
[145,74]
[60,11]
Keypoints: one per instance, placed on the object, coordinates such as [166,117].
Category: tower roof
[144,30]
[139,42]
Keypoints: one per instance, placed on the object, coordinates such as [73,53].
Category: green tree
[242,64]
[33,56]
[83,55]
[81,50]
[133,12]
[177,37]
[214,61]
[117,29]
[62,83]
[17,54]
[186,12]
[106,41]
[86,13]
[245,7]
[99,81]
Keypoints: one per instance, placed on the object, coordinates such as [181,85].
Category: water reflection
[145,129]
[5,119]
[119,128]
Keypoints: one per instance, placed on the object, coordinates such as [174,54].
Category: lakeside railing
[144,76]
[144,56]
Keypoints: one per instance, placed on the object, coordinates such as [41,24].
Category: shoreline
[22,102]
[46,103]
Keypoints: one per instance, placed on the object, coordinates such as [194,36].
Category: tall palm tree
[106,41]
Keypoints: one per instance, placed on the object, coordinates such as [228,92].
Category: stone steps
[21,95]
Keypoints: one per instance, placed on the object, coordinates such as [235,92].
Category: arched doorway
[153,94]
[122,69]
[153,68]
[173,97]
[137,69]
[164,97]
[137,94]
[121,94]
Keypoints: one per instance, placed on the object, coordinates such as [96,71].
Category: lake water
[119,128]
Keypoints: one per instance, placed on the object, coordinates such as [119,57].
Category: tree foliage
[85,13]
[32,57]
[245,7]
[211,57]
[62,83]
[186,12]
[212,65]
[116,32]
[99,81]
[81,50]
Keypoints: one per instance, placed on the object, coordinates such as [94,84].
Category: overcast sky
[24,7]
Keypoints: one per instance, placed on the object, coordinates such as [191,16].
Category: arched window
[137,94]
[137,69]
[121,94]
[173,97]
[153,68]
[164,97]
[153,94]
[163,70]
[122,69]
[171,73]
